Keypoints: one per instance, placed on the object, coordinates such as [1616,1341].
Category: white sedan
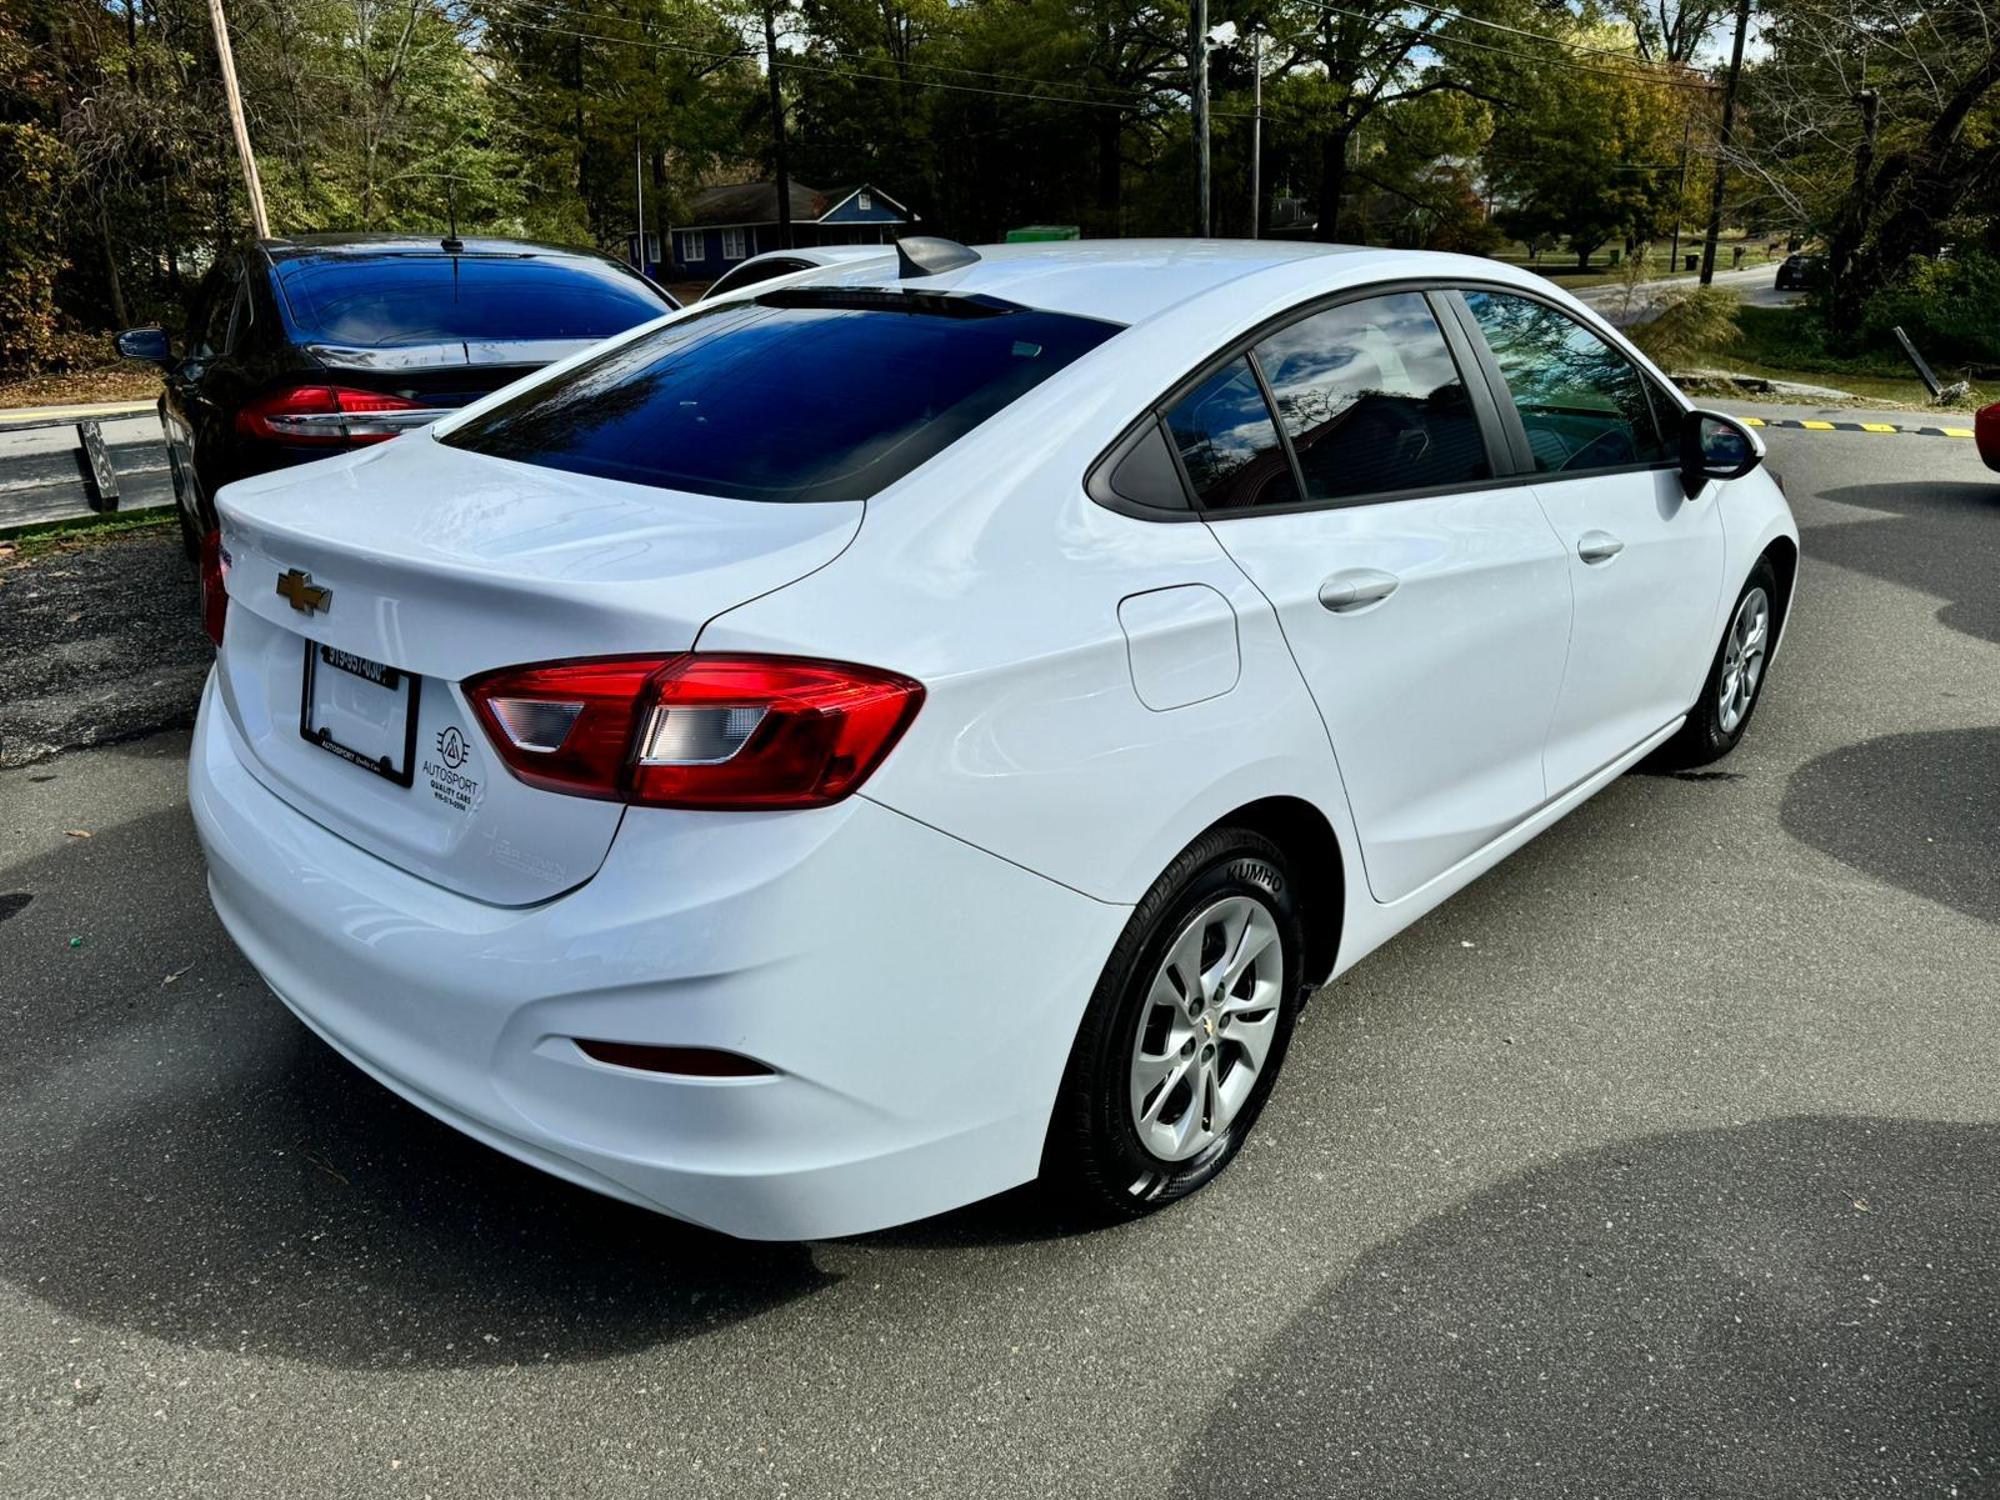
[832,755]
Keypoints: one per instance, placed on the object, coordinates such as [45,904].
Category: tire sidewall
[1720,741]
[1250,868]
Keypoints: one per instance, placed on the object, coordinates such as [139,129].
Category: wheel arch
[1783,553]
[1312,850]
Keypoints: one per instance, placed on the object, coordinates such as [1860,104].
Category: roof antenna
[452,243]
[929,254]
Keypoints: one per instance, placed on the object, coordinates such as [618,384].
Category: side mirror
[149,344]
[1715,447]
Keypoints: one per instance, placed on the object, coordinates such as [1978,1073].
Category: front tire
[1185,1033]
[1735,678]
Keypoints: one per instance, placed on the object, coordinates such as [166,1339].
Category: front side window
[1372,400]
[1229,444]
[803,394]
[1582,402]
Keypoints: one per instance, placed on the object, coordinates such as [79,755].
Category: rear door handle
[1356,588]
[1598,546]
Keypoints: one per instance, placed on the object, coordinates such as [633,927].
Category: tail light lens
[331,415]
[214,599]
[696,731]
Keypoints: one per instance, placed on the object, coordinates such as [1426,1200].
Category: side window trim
[1487,405]
[1519,457]
[1278,426]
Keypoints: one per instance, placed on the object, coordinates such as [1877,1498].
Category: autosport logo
[451,747]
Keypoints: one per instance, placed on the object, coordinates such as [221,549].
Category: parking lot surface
[1664,1160]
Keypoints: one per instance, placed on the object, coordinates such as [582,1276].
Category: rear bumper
[916,996]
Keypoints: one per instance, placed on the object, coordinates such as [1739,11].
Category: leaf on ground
[77,833]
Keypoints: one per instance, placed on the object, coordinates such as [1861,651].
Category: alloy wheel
[1743,656]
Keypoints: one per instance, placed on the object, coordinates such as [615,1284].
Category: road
[1756,286]
[1661,1161]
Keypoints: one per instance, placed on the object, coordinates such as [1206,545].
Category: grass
[44,537]
[1785,343]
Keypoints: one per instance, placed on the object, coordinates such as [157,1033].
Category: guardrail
[68,467]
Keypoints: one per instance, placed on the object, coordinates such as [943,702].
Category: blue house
[727,225]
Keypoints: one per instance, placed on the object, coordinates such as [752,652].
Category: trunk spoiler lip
[449,354]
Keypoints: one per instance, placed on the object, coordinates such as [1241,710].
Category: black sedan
[1801,273]
[302,347]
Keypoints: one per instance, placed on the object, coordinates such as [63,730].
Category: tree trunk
[112,283]
[1332,185]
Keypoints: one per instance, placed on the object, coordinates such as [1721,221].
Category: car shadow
[183,1160]
[1919,811]
[1940,544]
[1801,1307]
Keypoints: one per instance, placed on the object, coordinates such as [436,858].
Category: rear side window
[1372,400]
[1229,444]
[387,301]
[798,396]
[1581,401]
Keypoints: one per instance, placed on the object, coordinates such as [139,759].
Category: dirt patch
[99,641]
[111,383]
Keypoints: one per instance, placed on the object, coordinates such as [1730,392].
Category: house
[730,224]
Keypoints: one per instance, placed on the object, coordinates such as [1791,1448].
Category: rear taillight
[329,415]
[214,598]
[698,730]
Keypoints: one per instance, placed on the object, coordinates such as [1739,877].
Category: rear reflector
[696,731]
[214,597]
[690,1062]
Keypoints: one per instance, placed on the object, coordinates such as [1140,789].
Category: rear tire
[1735,680]
[1185,1032]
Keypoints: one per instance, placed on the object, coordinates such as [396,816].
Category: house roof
[757,203]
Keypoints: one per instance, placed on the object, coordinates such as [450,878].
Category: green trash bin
[1029,234]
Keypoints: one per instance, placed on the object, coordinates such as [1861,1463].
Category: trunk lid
[442,564]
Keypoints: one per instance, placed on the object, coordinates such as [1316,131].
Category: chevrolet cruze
[851,747]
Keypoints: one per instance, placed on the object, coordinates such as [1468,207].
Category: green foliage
[1949,308]
[33,167]
[1692,321]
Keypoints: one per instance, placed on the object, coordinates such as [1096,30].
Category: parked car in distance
[302,347]
[775,263]
[1801,273]
[588,771]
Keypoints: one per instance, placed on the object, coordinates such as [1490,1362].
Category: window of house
[1582,402]
[732,244]
[1228,443]
[687,246]
[1372,400]
[864,202]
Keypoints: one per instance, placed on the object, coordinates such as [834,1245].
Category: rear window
[800,395]
[395,300]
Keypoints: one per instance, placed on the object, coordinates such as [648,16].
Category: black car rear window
[800,395]
[387,301]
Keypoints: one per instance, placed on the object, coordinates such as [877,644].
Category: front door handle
[1598,546]
[1356,588]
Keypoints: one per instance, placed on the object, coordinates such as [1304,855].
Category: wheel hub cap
[1205,1031]
[1743,653]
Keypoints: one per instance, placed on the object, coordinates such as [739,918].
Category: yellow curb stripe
[1957,431]
[1817,426]
[1751,421]
[1878,426]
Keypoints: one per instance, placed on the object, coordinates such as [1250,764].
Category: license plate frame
[406,685]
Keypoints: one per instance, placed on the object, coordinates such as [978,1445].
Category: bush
[1692,321]
[1949,308]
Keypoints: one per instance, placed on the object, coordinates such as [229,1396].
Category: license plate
[360,710]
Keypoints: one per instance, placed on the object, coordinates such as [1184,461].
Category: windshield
[392,300]
[799,395]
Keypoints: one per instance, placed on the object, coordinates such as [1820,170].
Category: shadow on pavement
[1940,545]
[1920,811]
[1797,1308]
[183,1160]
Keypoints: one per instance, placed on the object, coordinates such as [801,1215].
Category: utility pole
[777,125]
[1257,134]
[639,189]
[258,219]
[1201,111]
[1728,137]
[1680,198]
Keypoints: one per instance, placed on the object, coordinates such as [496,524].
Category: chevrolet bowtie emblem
[305,595]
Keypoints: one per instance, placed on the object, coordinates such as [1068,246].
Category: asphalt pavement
[1665,1160]
[1622,306]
